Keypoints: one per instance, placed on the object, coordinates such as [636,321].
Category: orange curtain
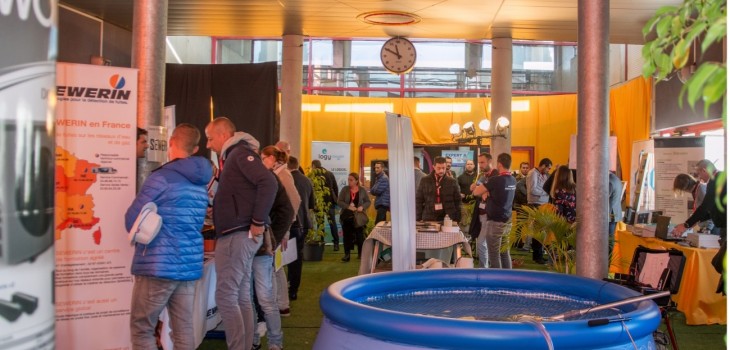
[543,122]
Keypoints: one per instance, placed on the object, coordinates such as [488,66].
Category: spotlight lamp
[455,129]
[484,125]
[469,128]
[467,133]
[502,123]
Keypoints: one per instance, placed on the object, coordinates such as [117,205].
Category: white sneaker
[275,347]
[261,329]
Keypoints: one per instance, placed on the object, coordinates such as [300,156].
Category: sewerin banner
[335,157]
[27,77]
[95,182]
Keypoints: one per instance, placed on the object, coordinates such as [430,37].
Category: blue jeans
[149,296]
[496,232]
[263,271]
[234,255]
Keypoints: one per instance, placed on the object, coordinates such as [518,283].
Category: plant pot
[312,252]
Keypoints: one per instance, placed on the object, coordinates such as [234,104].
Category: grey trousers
[234,255]
[150,296]
[496,232]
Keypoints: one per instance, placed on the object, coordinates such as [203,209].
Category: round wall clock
[398,55]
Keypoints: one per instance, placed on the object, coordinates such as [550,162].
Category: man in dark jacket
[168,266]
[306,193]
[438,195]
[241,207]
[331,183]
[466,179]
[381,190]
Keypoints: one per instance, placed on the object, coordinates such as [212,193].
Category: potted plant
[314,239]
[552,230]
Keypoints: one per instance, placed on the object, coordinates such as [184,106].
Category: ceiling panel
[541,20]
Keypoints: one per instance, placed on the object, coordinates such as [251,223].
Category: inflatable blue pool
[481,309]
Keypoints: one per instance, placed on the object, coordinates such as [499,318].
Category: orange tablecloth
[696,297]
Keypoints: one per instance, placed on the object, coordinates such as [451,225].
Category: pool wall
[350,325]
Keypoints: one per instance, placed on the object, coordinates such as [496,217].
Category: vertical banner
[27,77]
[95,182]
[673,156]
[402,191]
[335,157]
[638,150]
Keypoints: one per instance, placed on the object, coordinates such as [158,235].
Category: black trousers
[294,269]
[352,235]
[381,214]
[537,248]
[333,224]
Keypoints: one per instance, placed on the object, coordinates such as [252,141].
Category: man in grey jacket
[536,196]
[241,207]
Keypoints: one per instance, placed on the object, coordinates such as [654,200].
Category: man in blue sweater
[165,270]
[381,190]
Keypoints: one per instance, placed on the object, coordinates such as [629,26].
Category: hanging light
[455,129]
[484,125]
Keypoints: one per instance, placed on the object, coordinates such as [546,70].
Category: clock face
[398,55]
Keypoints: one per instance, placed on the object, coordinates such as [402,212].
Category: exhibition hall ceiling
[538,20]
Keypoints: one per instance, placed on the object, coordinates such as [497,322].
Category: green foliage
[677,28]
[316,234]
[552,230]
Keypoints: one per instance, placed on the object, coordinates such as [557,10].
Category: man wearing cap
[166,268]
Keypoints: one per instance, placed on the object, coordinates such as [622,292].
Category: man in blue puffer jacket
[166,269]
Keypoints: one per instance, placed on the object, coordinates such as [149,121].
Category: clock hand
[393,52]
[397,51]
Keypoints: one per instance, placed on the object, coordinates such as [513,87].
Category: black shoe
[292,295]
[336,247]
[346,258]
[540,261]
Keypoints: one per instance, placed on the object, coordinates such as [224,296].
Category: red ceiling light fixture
[389,18]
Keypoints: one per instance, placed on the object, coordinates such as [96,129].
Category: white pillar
[149,29]
[592,194]
[501,93]
[291,93]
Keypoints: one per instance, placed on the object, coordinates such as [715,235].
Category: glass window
[440,55]
[487,56]
[366,53]
[532,57]
[322,53]
[267,51]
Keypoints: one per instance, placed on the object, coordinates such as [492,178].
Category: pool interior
[486,304]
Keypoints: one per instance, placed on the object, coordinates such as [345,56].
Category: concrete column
[501,93]
[149,29]
[592,193]
[291,93]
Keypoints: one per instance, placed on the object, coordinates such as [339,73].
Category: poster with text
[673,156]
[459,158]
[335,157]
[28,33]
[95,183]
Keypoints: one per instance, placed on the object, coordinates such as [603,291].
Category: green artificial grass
[300,329]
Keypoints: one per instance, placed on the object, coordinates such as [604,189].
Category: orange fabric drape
[630,112]
[543,122]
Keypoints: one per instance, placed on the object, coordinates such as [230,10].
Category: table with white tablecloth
[381,236]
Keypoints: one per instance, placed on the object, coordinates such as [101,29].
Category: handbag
[361,219]
[146,226]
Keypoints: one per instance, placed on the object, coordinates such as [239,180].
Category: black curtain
[245,93]
[187,86]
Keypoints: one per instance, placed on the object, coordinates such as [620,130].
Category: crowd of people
[259,198]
